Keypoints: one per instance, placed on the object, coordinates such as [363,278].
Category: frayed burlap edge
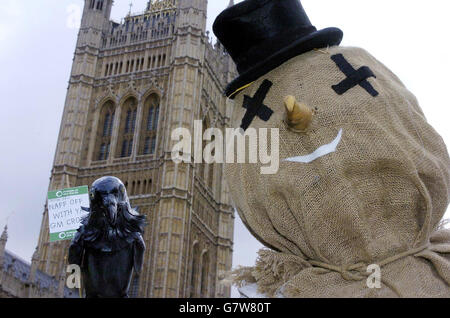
[271,271]
[274,270]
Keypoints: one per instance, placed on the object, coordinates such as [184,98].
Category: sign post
[65,213]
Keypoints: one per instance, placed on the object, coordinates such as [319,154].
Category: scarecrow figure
[364,180]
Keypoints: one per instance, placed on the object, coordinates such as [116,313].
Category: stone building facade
[20,279]
[132,83]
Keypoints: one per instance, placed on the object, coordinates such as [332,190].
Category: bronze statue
[109,244]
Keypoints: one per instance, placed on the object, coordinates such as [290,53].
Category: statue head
[106,195]
[111,209]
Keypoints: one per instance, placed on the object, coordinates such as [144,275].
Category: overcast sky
[37,41]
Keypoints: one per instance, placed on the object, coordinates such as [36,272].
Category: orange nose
[299,115]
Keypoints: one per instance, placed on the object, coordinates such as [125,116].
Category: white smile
[320,152]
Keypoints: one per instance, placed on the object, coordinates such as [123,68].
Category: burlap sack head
[378,199]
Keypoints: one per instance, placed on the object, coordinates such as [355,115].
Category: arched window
[104,131]
[100,5]
[149,128]
[195,271]
[127,128]
[204,276]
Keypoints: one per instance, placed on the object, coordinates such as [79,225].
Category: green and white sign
[65,213]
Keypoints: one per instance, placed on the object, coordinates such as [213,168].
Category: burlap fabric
[377,200]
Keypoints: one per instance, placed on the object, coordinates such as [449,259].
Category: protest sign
[65,213]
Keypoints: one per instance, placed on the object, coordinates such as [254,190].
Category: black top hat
[260,35]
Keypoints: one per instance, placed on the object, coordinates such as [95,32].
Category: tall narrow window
[211,176]
[155,122]
[130,147]
[204,276]
[194,272]
[100,5]
[130,122]
[106,124]
[149,127]
[108,147]
[153,147]
[147,145]
[138,188]
[149,186]
[102,154]
[104,131]
[127,128]
[150,116]
[124,148]
[202,166]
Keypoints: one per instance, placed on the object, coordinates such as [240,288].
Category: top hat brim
[316,40]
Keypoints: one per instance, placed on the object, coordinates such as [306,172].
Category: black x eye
[354,77]
[255,106]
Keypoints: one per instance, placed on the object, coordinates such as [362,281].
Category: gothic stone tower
[131,84]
